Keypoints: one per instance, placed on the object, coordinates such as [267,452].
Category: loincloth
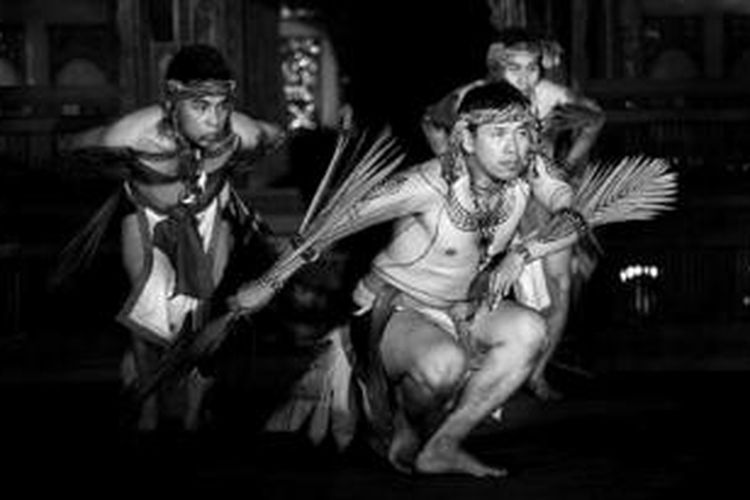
[156,308]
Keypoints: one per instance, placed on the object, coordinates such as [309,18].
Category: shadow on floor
[624,436]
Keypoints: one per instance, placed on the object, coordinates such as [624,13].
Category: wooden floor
[619,436]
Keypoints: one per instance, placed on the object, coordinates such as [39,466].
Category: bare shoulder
[449,102]
[419,181]
[561,94]
[252,131]
[464,89]
[430,169]
[137,129]
[553,93]
[430,176]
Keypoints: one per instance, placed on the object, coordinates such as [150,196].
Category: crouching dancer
[437,344]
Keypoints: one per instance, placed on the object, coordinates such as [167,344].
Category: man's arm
[107,150]
[400,195]
[585,137]
[543,243]
[92,137]
[439,118]
[556,196]
[254,132]
[584,118]
[126,131]
[436,124]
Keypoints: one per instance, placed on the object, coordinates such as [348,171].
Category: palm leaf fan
[324,224]
[330,223]
[631,189]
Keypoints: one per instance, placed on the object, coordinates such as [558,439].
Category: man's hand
[573,116]
[506,274]
[254,296]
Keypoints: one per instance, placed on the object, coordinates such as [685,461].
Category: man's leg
[558,273]
[197,385]
[514,336]
[146,359]
[427,366]
[144,356]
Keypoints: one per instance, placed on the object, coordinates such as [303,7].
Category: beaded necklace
[491,210]
[492,207]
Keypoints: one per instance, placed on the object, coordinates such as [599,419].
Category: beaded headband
[512,113]
[176,91]
[455,164]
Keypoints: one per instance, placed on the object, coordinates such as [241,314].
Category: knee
[442,367]
[563,281]
[560,276]
[530,333]
[560,288]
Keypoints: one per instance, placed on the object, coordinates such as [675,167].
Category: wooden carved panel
[95,43]
[12,49]
[676,37]
[737,45]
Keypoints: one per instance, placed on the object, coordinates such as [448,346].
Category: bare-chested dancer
[522,58]
[182,217]
[432,365]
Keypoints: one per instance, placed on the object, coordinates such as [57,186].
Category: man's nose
[519,144]
[527,77]
[511,146]
[212,118]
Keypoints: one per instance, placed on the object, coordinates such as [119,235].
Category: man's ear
[173,85]
[467,140]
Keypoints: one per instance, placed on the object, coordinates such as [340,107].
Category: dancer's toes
[449,458]
[404,446]
[542,390]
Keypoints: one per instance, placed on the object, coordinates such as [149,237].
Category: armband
[524,252]
[575,219]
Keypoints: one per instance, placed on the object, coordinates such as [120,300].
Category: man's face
[202,120]
[500,148]
[521,69]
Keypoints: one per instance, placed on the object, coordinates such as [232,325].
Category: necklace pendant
[188,198]
[484,241]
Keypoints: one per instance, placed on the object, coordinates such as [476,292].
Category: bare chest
[456,234]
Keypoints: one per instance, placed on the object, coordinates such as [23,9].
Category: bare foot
[541,388]
[444,456]
[404,446]
[149,416]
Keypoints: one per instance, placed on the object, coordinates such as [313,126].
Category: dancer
[436,343]
[568,124]
[438,348]
[183,220]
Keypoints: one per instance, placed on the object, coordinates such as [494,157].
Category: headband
[549,52]
[176,91]
[454,164]
[512,113]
